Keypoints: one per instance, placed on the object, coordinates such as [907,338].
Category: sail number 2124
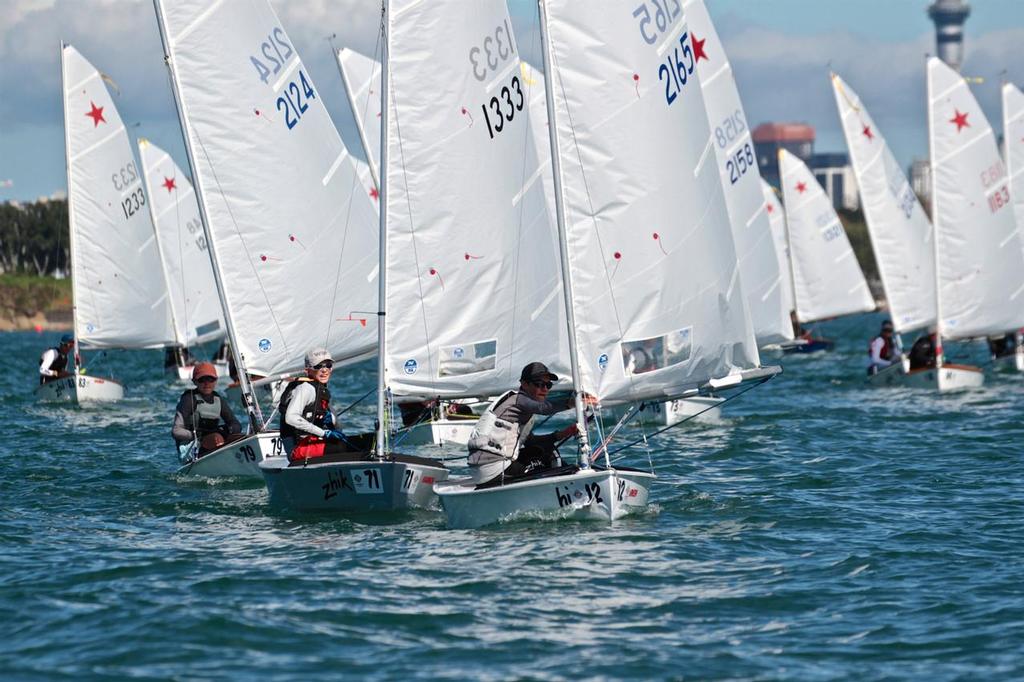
[273,55]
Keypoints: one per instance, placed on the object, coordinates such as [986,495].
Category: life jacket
[888,349]
[205,415]
[498,436]
[60,363]
[313,413]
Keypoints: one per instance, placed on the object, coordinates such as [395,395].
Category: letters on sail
[473,288]
[293,236]
[737,166]
[656,287]
[119,294]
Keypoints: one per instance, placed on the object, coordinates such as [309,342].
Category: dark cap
[886,326]
[536,371]
[67,339]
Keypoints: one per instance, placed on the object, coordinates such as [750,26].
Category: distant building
[832,170]
[949,17]
[921,180]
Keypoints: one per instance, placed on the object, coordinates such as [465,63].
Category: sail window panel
[657,352]
[469,358]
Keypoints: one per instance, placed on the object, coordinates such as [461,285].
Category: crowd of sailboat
[613,227]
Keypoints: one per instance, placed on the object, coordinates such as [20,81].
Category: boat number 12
[565,497]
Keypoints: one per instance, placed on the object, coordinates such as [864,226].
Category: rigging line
[393,102]
[590,202]
[683,421]
[358,400]
[245,247]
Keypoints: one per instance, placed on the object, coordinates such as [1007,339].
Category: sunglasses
[542,384]
[326,364]
[206,380]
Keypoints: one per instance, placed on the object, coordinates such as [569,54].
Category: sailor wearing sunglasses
[501,446]
[307,424]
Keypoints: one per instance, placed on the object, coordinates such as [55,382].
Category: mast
[563,249]
[382,278]
[935,225]
[355,114]
[251,405]
[71,214]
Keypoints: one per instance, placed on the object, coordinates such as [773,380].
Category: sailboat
[900,232]
[293,245]
[1013,155]
[979,263]
[654,305]
[827,280]
[777,221]
[440,249]
[196,313]
[118,300]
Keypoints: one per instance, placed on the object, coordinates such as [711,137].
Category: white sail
[737,166]
[980,262]
[656,287]
[293,236]
[119,294]
[827,279]
[1013,139]
[901,233]
[362,83]
[473,288]
[187,270]
[777,220]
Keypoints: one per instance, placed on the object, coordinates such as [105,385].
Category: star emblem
[169,184]
[867,133]
[698,49]
[374,193]
[801,187]
[770,208]
[96,114]
[960,119]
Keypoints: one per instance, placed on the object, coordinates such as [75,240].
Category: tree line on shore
[34,237]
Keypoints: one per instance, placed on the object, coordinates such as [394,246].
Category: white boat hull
[441,432]
[240,459]
[702,409]
[80,388]
[353,486]
[184,372]
[604,494]
[948,378]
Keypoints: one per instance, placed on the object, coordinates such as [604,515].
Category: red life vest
[888,349]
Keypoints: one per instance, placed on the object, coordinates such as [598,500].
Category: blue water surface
[824,530]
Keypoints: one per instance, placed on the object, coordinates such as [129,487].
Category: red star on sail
[169,184]
[801,187]
[960,120]
[96,114]
[374,193]
[867,133]
[770,208]
[698,49]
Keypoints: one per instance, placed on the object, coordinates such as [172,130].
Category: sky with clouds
[781,52]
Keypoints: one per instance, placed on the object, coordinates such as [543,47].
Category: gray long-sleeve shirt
[183,431]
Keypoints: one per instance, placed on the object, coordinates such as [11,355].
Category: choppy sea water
[824,530]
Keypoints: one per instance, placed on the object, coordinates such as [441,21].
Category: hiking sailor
[53,364]
[501,445]
[307,425]
[882,350]
[203,417]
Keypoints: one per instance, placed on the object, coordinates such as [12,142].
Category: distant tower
[949,17]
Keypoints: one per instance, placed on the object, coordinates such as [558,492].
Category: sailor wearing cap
[307,424]
[882,350]
[203,421]
[501,445]
[53,363]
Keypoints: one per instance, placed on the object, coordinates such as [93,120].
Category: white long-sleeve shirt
[302,395]
[44,365]
[877,345]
